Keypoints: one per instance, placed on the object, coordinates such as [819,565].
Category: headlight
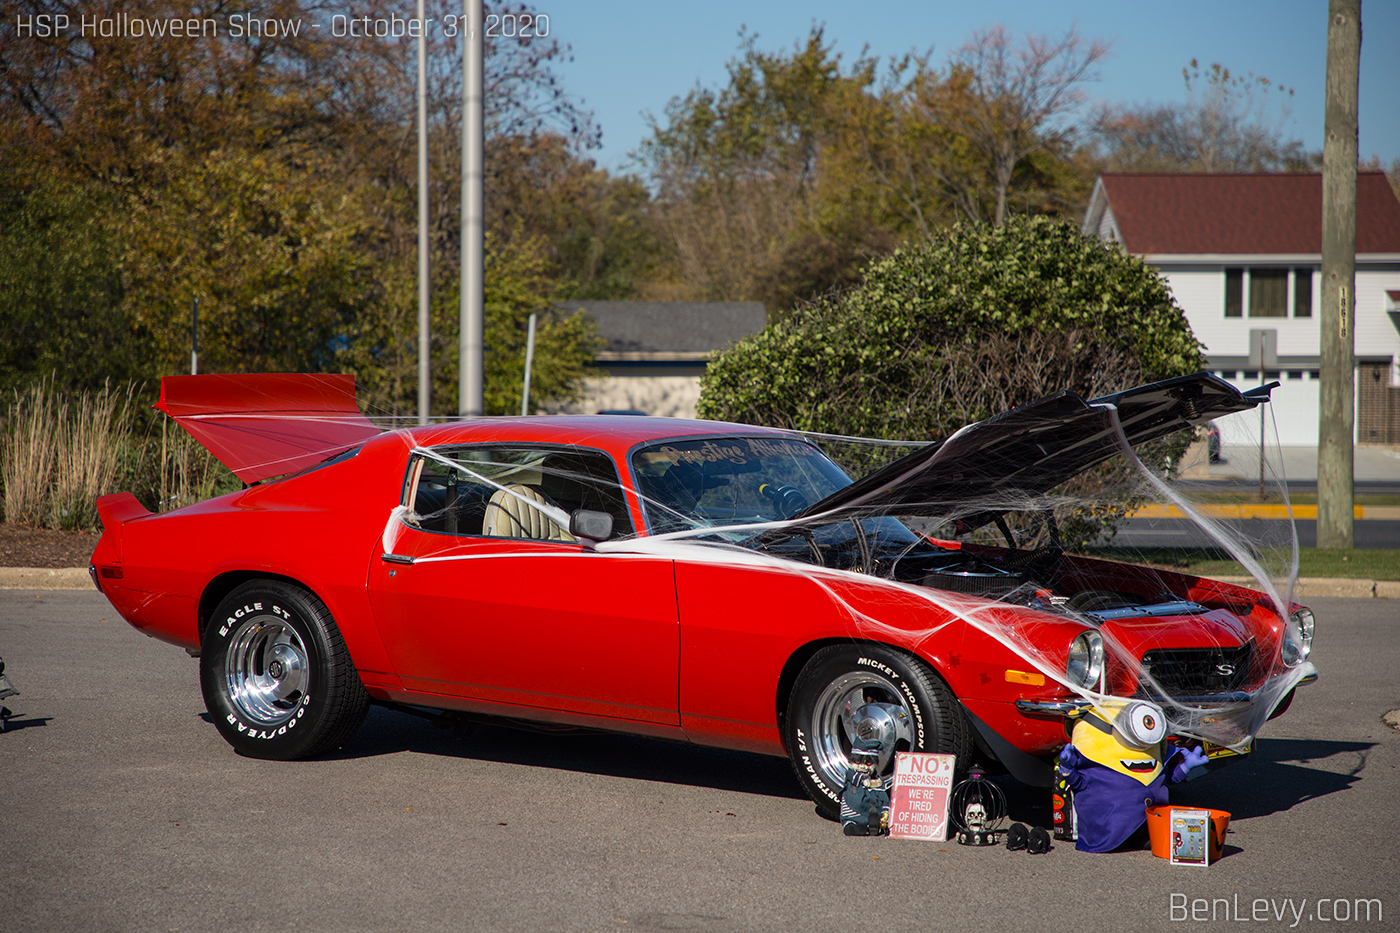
[1085,662]
[1295,649]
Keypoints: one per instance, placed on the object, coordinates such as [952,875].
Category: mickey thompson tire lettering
[813,775]
[843,677]
[276,675]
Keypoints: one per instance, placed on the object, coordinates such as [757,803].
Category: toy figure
[1118,769]
[865,801]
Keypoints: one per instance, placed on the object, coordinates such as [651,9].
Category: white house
[657,350]
[1243,254]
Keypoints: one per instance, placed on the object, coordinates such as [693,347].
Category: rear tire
[818,727]
[276,676]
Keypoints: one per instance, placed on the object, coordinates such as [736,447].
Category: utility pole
[424,335]
[471,355]
[1337,392]
[529,365]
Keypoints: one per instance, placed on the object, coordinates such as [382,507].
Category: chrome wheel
[864,704]
[266,669]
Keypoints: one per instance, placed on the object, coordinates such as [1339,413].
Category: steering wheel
[787,500]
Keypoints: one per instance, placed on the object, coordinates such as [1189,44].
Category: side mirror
[595,526]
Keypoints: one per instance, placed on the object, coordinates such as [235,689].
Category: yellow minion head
[1124,736]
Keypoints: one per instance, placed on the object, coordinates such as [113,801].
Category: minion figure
[1118,765]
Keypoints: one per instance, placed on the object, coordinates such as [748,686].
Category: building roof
[672,330]
[1198,214]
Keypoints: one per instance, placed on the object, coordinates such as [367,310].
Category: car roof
[614,433]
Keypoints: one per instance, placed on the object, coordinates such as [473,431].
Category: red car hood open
[266,424]
[1029,450]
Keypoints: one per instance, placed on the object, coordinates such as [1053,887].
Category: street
[1166,532]
[122,809]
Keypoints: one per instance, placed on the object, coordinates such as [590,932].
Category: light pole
[471,355]
[424,336]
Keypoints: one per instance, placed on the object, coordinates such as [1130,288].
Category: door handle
[396,558]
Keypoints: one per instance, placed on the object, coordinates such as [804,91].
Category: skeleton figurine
[975,816]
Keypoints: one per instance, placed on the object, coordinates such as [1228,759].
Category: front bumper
[1069,705]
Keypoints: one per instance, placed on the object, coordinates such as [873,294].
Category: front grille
[1185,672]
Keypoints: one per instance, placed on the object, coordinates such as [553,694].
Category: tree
[953,330]
[274,256]
[747,196]
[1018,98]
[518,285]
[96,106]
[783,183]
[62,290]
[928,169]
[1229,123]
[594,227]
[271,178]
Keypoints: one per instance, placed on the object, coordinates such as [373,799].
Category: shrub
[975,321]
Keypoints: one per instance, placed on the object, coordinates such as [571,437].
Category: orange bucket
[1159,829]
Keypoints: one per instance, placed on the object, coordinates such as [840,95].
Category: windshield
[712,483]
[719,481]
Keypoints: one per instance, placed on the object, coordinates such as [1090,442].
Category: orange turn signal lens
[1025,677]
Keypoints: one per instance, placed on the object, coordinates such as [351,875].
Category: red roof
[1244,214]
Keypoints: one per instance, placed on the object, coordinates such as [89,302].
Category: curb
[76,578]
[1272,511]
[1313,587]
[43,578]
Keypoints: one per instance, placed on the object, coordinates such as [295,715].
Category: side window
[513,491]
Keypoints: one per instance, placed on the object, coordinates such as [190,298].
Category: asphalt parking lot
[122,809]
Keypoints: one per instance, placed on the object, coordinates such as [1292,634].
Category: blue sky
[631,56]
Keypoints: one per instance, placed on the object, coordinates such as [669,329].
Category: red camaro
[714,583]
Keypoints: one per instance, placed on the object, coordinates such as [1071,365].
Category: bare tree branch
[1020,95]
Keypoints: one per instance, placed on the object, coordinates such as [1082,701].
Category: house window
[1302,293]
[1268,292]
[1234,292]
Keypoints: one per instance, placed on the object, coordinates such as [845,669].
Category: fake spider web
[1007,571]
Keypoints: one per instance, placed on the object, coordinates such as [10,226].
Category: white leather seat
[507,516]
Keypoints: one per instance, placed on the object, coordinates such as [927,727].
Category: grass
[61,453]
[1297,498]
[60,450]
[1377,564]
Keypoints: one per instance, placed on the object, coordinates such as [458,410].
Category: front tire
[276,676]
[910,701]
